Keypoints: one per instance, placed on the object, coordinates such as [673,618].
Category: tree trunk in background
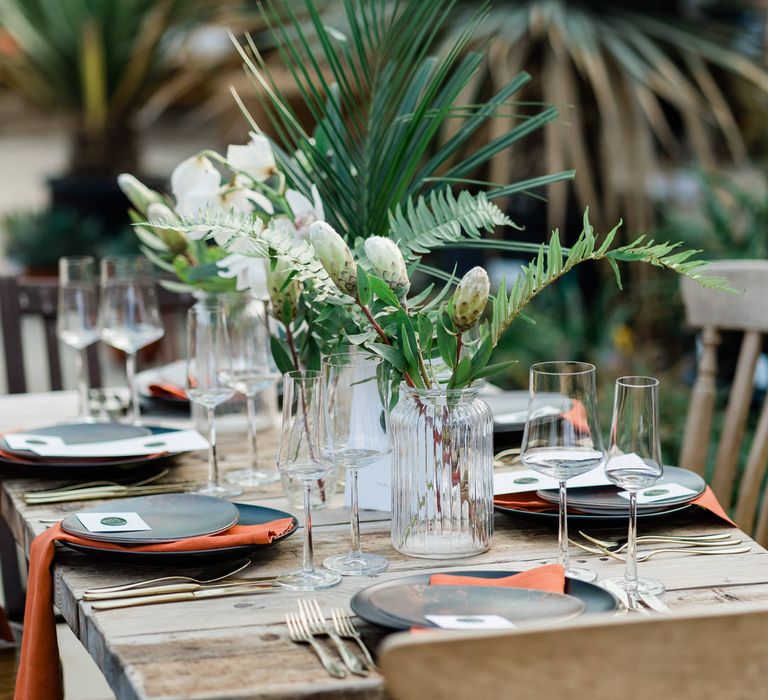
[103,153]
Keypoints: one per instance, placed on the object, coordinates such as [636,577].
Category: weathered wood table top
[238,647]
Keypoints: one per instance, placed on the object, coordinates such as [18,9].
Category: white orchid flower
[255,159]
[305,213]
[195,175]
[250,272]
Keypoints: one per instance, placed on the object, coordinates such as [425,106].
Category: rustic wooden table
[238,647]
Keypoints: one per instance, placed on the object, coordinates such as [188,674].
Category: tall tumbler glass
[77,322]
[634,462]
[129,313]
[566,443]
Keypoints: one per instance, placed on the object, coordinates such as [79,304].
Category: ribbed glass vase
[442,473]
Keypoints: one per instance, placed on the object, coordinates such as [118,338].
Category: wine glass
[568,443]
[77,323]
[634,462]
[251,370]
[207,385]
[306,453]
[129,313]
[355,395]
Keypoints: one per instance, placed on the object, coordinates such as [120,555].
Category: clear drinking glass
[634,462]
[207,374]
[129,313]
[252,370]
[306,453]
[565,443]
[77,322]
[356,401]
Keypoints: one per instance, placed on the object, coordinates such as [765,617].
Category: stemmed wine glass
[634,462]
[208,371]
[77,323]
[252,370]
[129,313]
[356,402]
[567,444]
[306,453]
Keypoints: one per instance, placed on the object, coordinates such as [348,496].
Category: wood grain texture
[238,647]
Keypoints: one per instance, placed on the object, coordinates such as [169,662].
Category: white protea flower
[250,273]
[335,256]
[285,298]
[470,298]
[305,212]
[175,240]
[255,159]
[388,263]
[138,194]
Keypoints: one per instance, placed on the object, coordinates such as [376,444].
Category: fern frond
[552,262]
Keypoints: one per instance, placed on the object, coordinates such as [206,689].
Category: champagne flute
[566,444]
[306,453]
[634,462]
[77,323]
[251,370]
[208,370]
[130,316]
[355,394]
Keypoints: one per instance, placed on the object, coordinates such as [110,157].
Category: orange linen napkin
[549,578]
[38,677]
[531,502]
[163,390]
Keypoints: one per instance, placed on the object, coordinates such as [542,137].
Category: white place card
[54,446]
[470,622]
[524,480]
[112,522]
[661,492]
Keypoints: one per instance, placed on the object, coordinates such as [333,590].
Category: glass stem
[82,383]
[562,532]
[253,454]
[213,462]
[630,572]
[308,564]
[355,550]
[130,371]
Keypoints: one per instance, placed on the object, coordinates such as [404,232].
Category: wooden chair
[720,656]
[713,312]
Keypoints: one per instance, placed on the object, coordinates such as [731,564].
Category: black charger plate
[619,520]
[249,515]
[596,599]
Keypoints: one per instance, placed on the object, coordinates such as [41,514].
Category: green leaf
[481,356]
[281,355]
[390,355]
[363,286]
[446,344]
[462,373]
[381,289]
[490,370]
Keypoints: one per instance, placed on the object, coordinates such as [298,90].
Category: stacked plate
[164,386]
[171,518]
[83,433]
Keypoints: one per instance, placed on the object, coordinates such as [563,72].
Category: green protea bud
[335,256]
[388,263]
[284,297]
[139,195]
[470,298]
[175,241]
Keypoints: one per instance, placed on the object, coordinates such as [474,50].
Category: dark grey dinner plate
[28,462]
[364,603]
[249,515]
[171,517]
[605,500]
[610,520]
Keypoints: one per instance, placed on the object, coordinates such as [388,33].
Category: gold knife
[174,588]
[219,592]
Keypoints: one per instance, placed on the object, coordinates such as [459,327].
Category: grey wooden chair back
[713,312]
[720,656]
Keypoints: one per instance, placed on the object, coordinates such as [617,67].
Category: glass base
[644,585]
[252,478]
[304,581]
[581,574]
[356,564]
[218,491]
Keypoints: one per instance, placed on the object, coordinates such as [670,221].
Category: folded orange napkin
[531,502]
[38,677]
[163,390]
[549,578]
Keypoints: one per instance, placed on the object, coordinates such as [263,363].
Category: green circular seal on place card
[655,492]
[113,521]
[526,480]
